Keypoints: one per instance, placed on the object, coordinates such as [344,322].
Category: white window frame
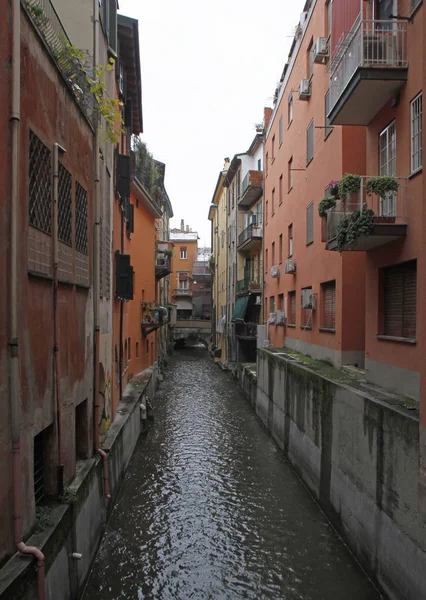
[290,108]
[183,254]
[416,150]
[387,166]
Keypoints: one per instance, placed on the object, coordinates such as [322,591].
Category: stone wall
[79,526]
[356,448]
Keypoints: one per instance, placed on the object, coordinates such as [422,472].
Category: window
[64,206]
[280,305]
[266,212]
[266,260]
[290,240]
[310,224]
[273,148]
[81,213]
[399,300]
[280,131]
[290,108]
[39,475]
[328,15]
[266,163]
[387,162]
[328,293]
[290,174]
[310,59]
[310,142]
[147,347]
[82,450]
[280,190]
[280,248]
[183,281]
[273,253]
[272,304]
[328,127]
[416,134]
[238,183]
[128,349]
[307,313]
[183,252]
[291,316]
[273,203]
[259,164]
[40,185]
[228,200]
[233,194]
[137,349]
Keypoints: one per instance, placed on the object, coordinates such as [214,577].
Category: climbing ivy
[357,224]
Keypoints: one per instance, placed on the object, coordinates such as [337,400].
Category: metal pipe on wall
[14,371]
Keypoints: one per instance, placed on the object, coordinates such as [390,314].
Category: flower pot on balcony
[383,220]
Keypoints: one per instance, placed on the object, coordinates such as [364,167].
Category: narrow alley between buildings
[209,507]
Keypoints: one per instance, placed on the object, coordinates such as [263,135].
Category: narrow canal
[210,509]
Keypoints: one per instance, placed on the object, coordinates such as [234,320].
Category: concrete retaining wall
[358,453]
[78,527]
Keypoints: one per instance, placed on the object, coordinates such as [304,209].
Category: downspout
[60,468]
[14,371]
[96,264]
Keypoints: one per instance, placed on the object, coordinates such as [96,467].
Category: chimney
[187,229]
[182,225]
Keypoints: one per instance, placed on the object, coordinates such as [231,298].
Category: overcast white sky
[208,69]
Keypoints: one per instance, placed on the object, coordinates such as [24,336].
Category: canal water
[210,509]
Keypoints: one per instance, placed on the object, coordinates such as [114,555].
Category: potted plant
[332,190]
[383,186]
[324,205]
[348,185]
[358,224]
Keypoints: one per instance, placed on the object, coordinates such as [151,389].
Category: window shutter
[291,308]
[329,297]
[130,216]
[123,277]
[123,176]
[310,224]
[400,286]
[310,142]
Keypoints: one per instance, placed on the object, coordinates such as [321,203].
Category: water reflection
[210,509]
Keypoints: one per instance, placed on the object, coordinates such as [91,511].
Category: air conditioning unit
[304,89]
[321,51]
[308,299]
[290,266]
[280,317]
[258,300]
[272,318]
[275,272]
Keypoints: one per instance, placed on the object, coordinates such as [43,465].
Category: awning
[240,308]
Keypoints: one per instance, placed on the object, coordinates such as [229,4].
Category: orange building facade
[181,279]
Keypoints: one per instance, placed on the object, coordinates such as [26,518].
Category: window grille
[329,305]
[65,205]
[387,160]
[39,487]
[416,134]
[291,317]
[81,215]
[40,185]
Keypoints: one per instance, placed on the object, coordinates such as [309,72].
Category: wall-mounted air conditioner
[321,51]
[275,272]
[290,266]
[304,89]
[272,318]
[280,317]
[308,299]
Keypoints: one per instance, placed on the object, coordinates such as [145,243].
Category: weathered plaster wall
[358,454]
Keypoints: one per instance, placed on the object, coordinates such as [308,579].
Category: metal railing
[372,44]
[247,330]
[182,292]
[250,232]
[247,284]
[251,178]
[162,260]
[46,20]
[389,209]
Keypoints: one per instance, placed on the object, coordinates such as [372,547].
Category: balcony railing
[388,222]
[179,292]
[372,45]
[162,264]
[252,231]
[246,330]
[252,188]
[49,26]
[246,285]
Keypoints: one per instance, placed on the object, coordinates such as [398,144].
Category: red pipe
[106,477]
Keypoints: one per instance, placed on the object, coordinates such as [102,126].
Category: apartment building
[185,255]
[321,294]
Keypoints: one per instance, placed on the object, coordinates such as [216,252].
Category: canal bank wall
[78,526]
[356,448]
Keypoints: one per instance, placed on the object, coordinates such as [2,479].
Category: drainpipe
[60,468]
[96,264]
[14,371]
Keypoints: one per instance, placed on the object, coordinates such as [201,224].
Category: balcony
[182,292]
[368,68]
[201,270]
[250,240]
[162,264]
[252,189]
[247,286]
[153,318]
[386,223]
[246,331]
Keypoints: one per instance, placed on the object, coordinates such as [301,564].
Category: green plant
[44,518]
[382,185]
[169,252]
[146,167]
[354,226]
[332,189]
[37,14]
[68,496]
[324,205]
[349,184]
[110,109]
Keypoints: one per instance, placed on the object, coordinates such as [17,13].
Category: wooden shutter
[310,224]
[329,298]
[291,308]
[399,298]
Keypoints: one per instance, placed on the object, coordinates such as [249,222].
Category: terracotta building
[185,254]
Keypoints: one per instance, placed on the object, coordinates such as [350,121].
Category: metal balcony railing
[250,232]
[182,292]
[246,330]
[247,284]
[372,44]
[390,209]
[45,18]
